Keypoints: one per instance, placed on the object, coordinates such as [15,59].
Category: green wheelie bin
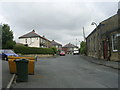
[22,70]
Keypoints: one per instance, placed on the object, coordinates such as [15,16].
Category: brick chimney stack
[33,30]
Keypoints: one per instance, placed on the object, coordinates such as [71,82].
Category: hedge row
[32,50]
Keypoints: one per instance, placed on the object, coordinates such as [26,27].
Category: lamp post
[80,43]
[76,41]
[93,23]
[95,41]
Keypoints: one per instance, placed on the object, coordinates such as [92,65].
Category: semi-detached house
[33,39]
[56,44]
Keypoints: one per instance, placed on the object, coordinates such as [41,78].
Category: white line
[10,83]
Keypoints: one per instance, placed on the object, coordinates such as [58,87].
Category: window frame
[114,37]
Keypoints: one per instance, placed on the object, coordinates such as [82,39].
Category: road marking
[11,81]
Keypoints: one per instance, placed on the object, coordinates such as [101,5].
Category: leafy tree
[10,44]
[59,51]
[54,49]
[7,37]
[83,49]
[0,36]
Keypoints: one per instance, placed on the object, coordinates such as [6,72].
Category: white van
[76,51]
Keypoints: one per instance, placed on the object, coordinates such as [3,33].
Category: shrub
[54,49]
[32,50]
[83,49]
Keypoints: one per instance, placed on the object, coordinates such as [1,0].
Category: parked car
[4,53]
[62,53]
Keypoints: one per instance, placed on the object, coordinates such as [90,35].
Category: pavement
[112,64]
[5,74]
[70,71]
[0,74]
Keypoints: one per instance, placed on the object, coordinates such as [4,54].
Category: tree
[54,49]
[83,49]
[0,36]
[7,37]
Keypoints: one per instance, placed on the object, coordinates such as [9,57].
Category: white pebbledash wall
[32,42]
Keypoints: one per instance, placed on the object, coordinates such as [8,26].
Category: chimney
[43,36]
[33,30]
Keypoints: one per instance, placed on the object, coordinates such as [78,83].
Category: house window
[115,42]
[26,40]
[31,40]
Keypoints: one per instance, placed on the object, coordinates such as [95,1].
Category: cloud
[61,21]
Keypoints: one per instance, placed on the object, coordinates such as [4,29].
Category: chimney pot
[33,30]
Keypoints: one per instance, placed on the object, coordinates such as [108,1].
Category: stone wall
[39,55]
[99,43]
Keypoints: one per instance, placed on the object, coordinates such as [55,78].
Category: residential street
[0,74]
[70,72]
[5,74]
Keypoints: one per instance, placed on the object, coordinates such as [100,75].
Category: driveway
[70,72]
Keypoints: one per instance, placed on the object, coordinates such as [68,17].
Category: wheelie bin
[12,66]
[22,70]
[31,64]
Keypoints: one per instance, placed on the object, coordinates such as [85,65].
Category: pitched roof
[30,34]
[70,46]
[103,24]
[55,43]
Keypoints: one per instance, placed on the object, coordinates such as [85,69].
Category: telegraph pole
[76,41]
[84,34]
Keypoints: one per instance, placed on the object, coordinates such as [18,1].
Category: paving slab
[6,76]
[111,64]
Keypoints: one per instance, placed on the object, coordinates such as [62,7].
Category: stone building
[103,42]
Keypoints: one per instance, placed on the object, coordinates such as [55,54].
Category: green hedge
[32,50]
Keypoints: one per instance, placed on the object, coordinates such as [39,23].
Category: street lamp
[93,23]
[80,43]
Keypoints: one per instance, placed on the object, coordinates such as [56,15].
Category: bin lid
[22,60]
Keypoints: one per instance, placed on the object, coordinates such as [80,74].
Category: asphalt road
[70,72]
[5,74]
[0,74]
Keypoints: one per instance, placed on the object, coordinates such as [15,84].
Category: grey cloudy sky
[62,21]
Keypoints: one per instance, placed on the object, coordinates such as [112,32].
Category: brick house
[33,39]
[104,41]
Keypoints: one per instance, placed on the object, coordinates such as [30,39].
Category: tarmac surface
[5,74]
[70,71]
[112,64]
[0,74]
